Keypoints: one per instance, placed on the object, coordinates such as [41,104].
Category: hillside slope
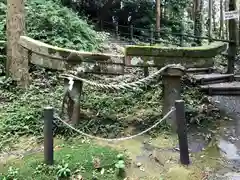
[49,21]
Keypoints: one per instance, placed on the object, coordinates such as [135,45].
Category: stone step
[200,70]
[226,88]
[237,77]
[212,78]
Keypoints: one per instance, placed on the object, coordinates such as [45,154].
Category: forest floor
[110,115]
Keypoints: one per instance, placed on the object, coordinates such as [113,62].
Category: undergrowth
[71,161]
[106,114]
[51,22]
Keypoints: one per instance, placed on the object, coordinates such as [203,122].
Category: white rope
[117,139]
[133,85]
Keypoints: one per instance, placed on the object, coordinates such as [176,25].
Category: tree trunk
[210,6]
[198,6]
[226,22]
[106,7]
[17,62]
[158,17]
[214,12]
[232,49]
[221,29]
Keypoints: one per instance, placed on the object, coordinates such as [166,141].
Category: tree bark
[17,62]
[214,12]
[232,49]
[226,22]
[105,8]
[221,29]
[158,17]
[210,3]
[198,20]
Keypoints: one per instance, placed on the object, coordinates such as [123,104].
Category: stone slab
[211,76]
[235,85]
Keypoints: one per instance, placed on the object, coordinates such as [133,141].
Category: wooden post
[131,32]
[116,30]
[48,135]
[17,62]
[100,24]
[182,132]
[171,92]
[181,36]
[145,68]
[232,49]
[151,36]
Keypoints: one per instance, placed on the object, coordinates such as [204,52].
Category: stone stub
[171,92]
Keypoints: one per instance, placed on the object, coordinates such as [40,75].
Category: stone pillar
[73,103]
[76,95]
[171,92]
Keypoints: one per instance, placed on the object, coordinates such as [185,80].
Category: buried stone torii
[192,58]
[52,57]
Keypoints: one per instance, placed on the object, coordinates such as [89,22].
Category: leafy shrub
[49,21]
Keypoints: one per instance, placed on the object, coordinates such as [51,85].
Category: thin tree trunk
[106,7]
[210,3]
[221,29]
[17,62]
[226,22]
[198,20]
[214,12]
[158,17]
[232,49]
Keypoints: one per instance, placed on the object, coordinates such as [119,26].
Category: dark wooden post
[151,36]
[131,32]
[171,92]
[116,30]
[145,68]
[182,132]
[101,25]
[181,36]
[48,135]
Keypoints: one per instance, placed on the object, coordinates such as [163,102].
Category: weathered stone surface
[46,62]
[211,76]
[187,62]
[197,57]
[171,92]
[206,51]
[224,86]
[55,53]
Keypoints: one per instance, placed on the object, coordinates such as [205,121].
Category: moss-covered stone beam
[206,51]
[55,57]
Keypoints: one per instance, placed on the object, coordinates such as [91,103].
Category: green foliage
[12,173]
[49,21]
[63,171]
[71,160]
[120,166]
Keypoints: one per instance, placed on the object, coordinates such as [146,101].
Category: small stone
[139,164]
[142,169]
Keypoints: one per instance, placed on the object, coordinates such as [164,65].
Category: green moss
[210,50]
[79,157]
